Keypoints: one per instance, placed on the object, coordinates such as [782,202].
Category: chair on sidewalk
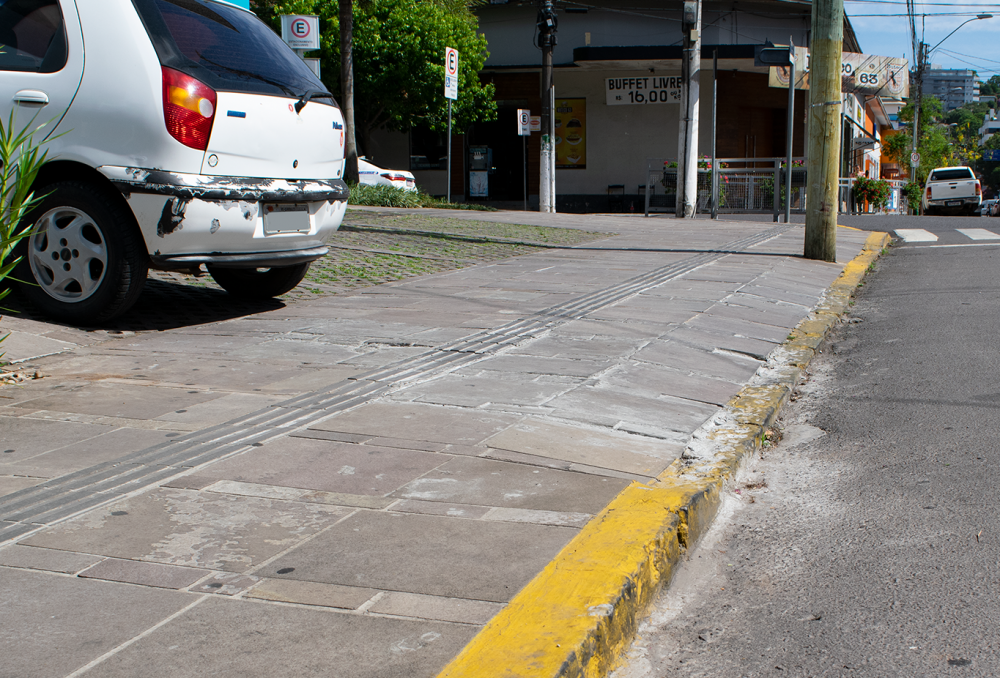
[616,197]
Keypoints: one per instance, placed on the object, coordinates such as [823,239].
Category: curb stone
[578,616]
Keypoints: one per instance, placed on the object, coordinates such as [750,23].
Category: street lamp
[923,55]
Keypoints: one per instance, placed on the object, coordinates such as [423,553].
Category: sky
[887,33]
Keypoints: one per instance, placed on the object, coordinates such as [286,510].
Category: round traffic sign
[300,28]
[914,159]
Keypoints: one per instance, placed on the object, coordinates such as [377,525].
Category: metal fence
[752,186]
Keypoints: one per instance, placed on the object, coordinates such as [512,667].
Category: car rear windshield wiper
[309,95]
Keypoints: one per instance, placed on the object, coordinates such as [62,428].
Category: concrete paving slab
[256,639]
[11,484]
[312,593]
[771,292]
[117,400]
[440,508]
[433,555]
[518,515]
[615,407]
[585,348]
[544,462]
[21,346]
[565,367]
[724,322]
[697,361]
[156,575]
[226,584]
[188,344]
[52,625]
[477,390]
[108,446]
[296,494]
[49,560]
[468,480]
[435,607]
[419,422]
[22,439]
[326,465]
[218,410]
[588,446]
[654,381]
[284,351]
[193,529]
[711,340]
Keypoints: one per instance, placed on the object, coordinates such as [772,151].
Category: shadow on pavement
[163,305]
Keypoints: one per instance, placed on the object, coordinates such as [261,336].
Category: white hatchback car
[376,176]
[193,136]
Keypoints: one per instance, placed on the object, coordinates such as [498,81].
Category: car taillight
[393,177]
[979,188]
[188,108]
[928,192]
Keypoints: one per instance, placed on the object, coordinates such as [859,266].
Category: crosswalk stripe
[916,235]
[978,234]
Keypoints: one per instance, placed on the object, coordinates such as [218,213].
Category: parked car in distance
[952,189]
[376,176]
[986,209]
[194,136]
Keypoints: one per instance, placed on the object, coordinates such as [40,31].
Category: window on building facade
[428,149]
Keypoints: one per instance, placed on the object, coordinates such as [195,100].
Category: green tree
[991,87]
[933,141]
[398,51]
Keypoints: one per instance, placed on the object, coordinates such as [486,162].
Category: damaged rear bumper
[241,189]
[189,219]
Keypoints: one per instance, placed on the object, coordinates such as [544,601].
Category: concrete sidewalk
[354,486]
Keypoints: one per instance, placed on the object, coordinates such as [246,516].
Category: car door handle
[31,96]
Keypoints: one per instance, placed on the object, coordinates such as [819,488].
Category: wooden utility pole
[347,89]
[823,157]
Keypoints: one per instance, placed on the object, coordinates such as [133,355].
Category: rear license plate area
[953,203]
[286,218]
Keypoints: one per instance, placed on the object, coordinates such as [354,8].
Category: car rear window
[952,174]
[227,48]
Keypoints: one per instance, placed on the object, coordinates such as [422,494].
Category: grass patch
[391,196]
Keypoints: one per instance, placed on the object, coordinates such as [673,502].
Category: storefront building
[617,82]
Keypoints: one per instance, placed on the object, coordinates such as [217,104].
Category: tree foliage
[934,142]
[399,61]
[991,87]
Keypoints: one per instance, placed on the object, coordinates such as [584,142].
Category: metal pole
[447,180]
[524,156]
[824,129]
[715,131]
[791,123]
[687,162]
[547,40]
[916,109]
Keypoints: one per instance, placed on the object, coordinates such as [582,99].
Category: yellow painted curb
[576,618]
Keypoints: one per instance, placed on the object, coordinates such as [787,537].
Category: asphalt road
[867,541]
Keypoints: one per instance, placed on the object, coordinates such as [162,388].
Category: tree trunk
[347,87]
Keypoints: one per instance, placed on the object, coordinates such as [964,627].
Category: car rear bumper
[247,260]
[189,219]
[204,187]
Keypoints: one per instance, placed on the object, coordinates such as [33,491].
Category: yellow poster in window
[571,133]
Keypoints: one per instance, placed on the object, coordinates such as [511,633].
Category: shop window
[428,149]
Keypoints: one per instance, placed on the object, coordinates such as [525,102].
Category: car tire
[83,261]
[259,283]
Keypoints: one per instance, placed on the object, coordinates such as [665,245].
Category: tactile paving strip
[29,509]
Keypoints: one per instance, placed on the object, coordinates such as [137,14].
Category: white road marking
[916,235]
[978,234]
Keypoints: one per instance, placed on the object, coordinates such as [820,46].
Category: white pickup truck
[952,189]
